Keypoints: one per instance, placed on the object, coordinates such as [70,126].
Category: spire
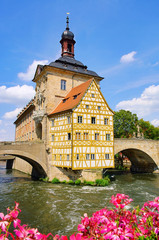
[67,41]
[67,22]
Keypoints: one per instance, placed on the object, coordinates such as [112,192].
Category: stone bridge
[32,152]
[143,154]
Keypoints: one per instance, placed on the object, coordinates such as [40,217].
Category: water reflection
[58,208]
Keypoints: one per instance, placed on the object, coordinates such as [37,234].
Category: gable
[95,100]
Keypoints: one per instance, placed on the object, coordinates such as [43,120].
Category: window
[68,120]
[77,157]
[98,107]
[87,106]
[55,157]
[105,121]
[93,120]
[52,123]
[60,157]
[63,84]
[52,137]
[78,135]
[108,137]
[68,157]
[75,96]
[87,156]
[69,136]
[69,47]
[97,136]
[93,95]
[85,136]
[79,119]
[107,156]
[92,156]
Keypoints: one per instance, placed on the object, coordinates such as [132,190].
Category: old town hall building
[69,113]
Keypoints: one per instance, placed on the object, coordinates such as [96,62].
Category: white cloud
[155,122]
[145,105]
[127,58]
[12,114]
[29,74]
[19,95]
[0,121]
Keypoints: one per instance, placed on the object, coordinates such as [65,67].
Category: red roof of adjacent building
[73,98]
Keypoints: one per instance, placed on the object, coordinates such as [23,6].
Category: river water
[58,208]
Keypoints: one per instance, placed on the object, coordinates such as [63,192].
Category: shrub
[71,182]
[102,182]
[78,182]
[44,179]
[91,183]
[55,180]
[64,181]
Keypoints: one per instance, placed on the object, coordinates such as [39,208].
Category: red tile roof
[73,98]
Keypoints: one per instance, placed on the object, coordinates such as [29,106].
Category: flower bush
[116,224]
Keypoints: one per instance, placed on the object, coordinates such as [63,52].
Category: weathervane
[67,21]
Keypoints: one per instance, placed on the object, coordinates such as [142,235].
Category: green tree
[149,131]
[125,124]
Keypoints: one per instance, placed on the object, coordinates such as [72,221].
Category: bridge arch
[140,160]
[39,168]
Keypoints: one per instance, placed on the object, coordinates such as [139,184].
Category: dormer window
[75,96]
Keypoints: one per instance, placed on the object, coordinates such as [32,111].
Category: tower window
[63,84]
[87,106]
[68,157]
[77,157]
[69,47]
[98,107]
[52,138]
[92,156]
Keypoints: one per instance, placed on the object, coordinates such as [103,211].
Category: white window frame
[68,120]
[93,120]
[97,136]
[63,84]
[108,137]
[87,156]
[52,123]
[78,136]
[107,156]
[79,119]
[85,136]
[52,137]
[106,120]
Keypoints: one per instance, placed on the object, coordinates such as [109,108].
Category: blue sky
[119,39]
